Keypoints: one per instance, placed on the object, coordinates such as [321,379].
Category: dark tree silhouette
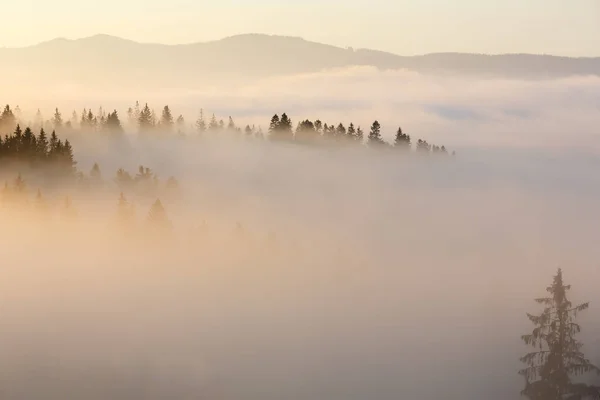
[157,217]
[402,140]
[558,355]
[166,119]
[375,138]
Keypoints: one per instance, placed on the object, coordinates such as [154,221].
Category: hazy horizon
[402,27]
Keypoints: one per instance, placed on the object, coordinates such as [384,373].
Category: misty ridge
[243,58]
[227,252]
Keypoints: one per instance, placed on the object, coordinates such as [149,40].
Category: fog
[355,274]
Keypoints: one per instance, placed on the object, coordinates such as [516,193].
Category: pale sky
[405,27]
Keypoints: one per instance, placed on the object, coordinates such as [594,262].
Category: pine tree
[402,141]
[423,147]
[42,146]
[213,126]
[351,131]
[157,217]
[557,356]
[8,121]
[180,125]
[200,123]
[57,120]
[145,120]
[359,135]
[375,138]
[285,127]
[112,124]
[274,125]
[166,119]
[231,125]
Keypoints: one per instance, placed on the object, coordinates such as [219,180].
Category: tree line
[280,128]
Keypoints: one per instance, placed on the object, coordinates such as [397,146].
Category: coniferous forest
[157,219]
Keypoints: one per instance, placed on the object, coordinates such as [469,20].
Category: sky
[401,26]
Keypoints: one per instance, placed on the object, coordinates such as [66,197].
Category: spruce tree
[557,356]
[359,135]
[145,122]
[57,120]
[402,140]
[423,147]
[375,138]
[200,123]
[274,125]
[351,131]
[113,124]
[166,119]
[213,126]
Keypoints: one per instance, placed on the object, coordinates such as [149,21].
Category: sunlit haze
[238,200]
[402,26]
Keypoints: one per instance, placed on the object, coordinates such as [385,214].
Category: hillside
[105,60]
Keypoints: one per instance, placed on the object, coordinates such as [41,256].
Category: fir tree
[351,131]
[423,147]
[57,120]
[166,119]
[274,125]
[200,123]
[213,126]
[557,356]
[375,138]
[359,135]
[145,119]
[402,140]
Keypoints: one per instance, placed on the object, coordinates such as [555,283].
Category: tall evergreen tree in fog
[200,123]
[180,125]
[166,119]
[359,137]
[280,129]
[423,147]
[145,122]
[8,121]
[57,120]
[557,356]
[402,140]
[113,124]
[375,138]
[274,125]
[213,125]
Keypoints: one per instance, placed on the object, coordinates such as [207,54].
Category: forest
[39,166]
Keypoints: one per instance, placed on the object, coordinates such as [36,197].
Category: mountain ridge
[114,38]
[104,60]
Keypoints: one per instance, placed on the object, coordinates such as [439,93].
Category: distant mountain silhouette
[106,60]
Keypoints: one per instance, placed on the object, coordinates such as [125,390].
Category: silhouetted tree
[112,124]
[402,141]
[375,138]
[558,354]
[57,120]
[145,120]
[166,119]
